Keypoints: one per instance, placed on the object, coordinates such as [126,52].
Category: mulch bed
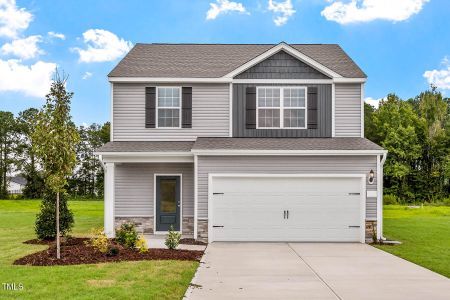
[188,241]
[74,251]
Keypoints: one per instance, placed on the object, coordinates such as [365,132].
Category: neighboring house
[16,184]
[242,143]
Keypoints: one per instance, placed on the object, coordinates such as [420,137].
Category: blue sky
[396,42]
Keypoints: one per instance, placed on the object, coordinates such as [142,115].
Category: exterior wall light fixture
[371,179]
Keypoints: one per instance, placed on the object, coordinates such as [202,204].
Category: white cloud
[374,102]
[285,10]
[34,80]
[223,7]
[25,48]
[87,75]
[56,35]
[345,12]
[102,45]
[440,78]
[13,19]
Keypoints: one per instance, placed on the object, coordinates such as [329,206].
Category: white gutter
[383,160]
[100,158]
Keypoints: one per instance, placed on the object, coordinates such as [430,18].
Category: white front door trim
[362,177]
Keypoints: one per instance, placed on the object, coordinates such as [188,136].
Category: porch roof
[140,147]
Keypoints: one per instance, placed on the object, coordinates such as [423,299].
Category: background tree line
[17,157]
[416,132]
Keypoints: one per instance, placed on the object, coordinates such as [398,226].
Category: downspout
[100,158]
[383,160]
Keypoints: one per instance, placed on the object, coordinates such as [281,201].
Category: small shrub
[100,241]
[112,251]
[173,239]
[141,245]
[127,235]
[390,199]
[45,226]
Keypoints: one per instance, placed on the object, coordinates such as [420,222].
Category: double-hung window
[281,107]
[168,107]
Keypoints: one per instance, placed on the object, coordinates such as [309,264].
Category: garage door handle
[354,226]
[217,193]
[217,226]
[288,214]
[284,214]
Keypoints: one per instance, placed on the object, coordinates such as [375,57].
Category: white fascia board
[282,46]
[349,80]
[284,81]
[288,152]
[168,79]
[142,157]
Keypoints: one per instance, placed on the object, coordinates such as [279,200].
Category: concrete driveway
[311,271]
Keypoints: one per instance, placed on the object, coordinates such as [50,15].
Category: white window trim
[157,107]
[282,107]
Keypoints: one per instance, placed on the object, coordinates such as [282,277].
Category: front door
[168,195]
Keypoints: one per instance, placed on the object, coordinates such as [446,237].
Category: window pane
[294,97]
[268,118]
[168,117]
[168,97]
[168,195]
[268,97]
[294,117]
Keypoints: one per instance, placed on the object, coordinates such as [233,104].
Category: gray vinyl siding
[284,165]
[348,110]
[210,113]
[323,121]
[134,187]
[281,65]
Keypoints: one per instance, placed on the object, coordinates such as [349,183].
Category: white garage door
[287,209]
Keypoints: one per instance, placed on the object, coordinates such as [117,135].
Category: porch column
[109,200]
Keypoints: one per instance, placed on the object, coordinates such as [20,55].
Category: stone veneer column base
[371,231]
[144,225]
[202,230]
[188,226]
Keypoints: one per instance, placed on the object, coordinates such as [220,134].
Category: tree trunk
[58,253]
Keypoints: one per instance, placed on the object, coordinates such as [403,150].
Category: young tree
[54,141]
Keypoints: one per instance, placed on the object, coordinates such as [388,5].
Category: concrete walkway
[158,242]
[311,271]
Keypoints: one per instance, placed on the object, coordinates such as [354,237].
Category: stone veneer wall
[202,230]
[371,229]
[188,226]
[144,225]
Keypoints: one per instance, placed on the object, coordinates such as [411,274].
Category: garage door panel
[252,209]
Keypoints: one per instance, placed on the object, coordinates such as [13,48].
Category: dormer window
[281,107]
[168,107]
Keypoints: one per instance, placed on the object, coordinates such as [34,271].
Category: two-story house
[238,142]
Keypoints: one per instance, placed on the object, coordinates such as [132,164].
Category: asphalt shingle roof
[216,143]
[168,146]
[340,143]
[217,60]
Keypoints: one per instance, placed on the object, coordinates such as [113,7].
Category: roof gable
[218,60]
[281,65]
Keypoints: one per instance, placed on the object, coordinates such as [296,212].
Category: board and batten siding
[284,165]
[281,65]
[210,113]
[134,187]
[323,114]
[347,110]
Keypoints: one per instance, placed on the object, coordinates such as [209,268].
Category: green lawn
[125,280]
[424,233]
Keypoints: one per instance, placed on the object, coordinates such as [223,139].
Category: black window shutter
[312,108]
[186,107]
[250,107]
[150,107]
